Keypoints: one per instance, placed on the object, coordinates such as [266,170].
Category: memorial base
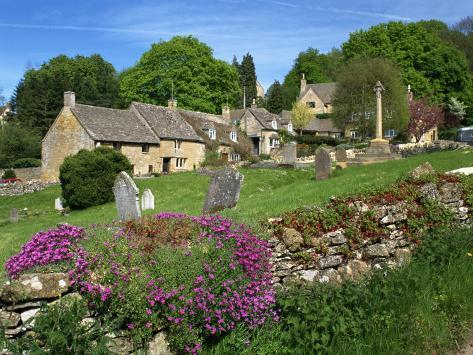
[378,151]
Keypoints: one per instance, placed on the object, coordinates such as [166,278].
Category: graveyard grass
[265,193]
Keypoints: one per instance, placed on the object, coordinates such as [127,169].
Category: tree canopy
[275,100]
[247,74]
[354,100]
[432,67]
[185,68]
[18,142]
[301,116]
[423,117]
[38,97]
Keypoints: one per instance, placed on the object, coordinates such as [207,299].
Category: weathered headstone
[58,204]
[289,153]
[147,200]
[340,155]
[323,164]
[126,197]
[224,190]
[13,215]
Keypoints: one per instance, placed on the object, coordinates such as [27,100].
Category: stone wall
[330,258]
[26,174]
[320,107]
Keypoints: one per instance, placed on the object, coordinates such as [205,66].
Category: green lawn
[265,193]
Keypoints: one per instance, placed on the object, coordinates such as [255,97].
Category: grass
[423,308]
[265,193]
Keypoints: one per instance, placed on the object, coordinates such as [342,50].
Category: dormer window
[274,124]
[233,136]
[145,148]
[212,134]
[289,127]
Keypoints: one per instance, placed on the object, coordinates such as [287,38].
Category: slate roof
[106,124]
[166,122]
[316,125]
[323,90]
[265,117]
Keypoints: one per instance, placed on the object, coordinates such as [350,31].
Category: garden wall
[26,174]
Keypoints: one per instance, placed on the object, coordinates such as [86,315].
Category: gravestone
[126,197]
[58,204]
[147,200]
[340,155]
[323,164]
[224,190]
[13,215]
[289,153]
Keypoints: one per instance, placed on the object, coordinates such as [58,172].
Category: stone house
[154,138]
[318,97]
[317,126]
[261,126]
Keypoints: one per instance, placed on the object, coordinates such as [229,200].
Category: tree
[247,74]
[301,116]
[423,117]
[185,68]
[275,101]
[432,67]
[317,68]
[354,101]
[17,142]
[2,98]
[38,97]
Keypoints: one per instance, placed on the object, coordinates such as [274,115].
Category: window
[177,144]
[233,136]
[212,133]
[353,134]
[180,162]
[289,127]
[274,124]
[150,169]
[311,104]
[97,144]
[235,157]
[273,142]
[390,133]
[337,135]
[117,146]
[145,148]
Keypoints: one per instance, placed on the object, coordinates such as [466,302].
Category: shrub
[26,163]
[87,178]
[317,140]
[212,158]
[9,174]
[265,157]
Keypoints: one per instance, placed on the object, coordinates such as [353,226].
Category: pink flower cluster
[45,248]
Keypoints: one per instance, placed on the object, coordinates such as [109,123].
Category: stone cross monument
[378,89]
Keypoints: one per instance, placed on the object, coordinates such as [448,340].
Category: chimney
[410,94]
[253,105]
[226,113]
[69,99]
[303,83]
[172,103]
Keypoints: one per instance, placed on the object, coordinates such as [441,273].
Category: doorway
[166,164]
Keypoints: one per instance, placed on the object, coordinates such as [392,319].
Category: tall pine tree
[275,100]
[247,73]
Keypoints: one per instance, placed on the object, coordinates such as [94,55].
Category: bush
[212,158]
[87,178]
[9,174]
[317,140]
[26,163]
[265,157]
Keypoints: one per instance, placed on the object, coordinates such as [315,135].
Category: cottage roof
[265,117]
[106,124]
[322,125]
[324,91]
[166,122]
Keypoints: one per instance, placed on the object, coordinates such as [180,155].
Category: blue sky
[273,31]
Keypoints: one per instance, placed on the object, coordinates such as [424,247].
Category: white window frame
[353,134]
[180,163]
[391,133]
[177,144]
[233,136]
[97,144]
[274,124]
[212,133]
[235,157]
[289,127]
[273,142]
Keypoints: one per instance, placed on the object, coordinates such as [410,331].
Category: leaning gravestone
[323,164]
[126,197]
[147,200]
[224,190]
[289,153]
[340,155]
[58,204]
[13,215]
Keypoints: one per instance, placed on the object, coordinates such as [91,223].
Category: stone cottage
[318,97]
[154,138]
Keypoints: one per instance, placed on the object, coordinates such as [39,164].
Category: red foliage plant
[423,117]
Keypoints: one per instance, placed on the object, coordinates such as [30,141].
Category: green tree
[432,67]
[38,97]
[301,116]
[354,100]
[317,68]
[187,67]
[18,142]
[247,72]
[275,100]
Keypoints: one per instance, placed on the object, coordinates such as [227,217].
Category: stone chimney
[69,99]
[303,83]
[172,103]
[253,104]
[226,113]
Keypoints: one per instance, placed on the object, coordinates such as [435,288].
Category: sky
[273,31]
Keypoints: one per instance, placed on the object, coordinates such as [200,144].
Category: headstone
[340,155]
[58,204]
[126,197]
[13,215]
[423,169]
[147,200]
[224,190]
[323,164]
[289,153]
